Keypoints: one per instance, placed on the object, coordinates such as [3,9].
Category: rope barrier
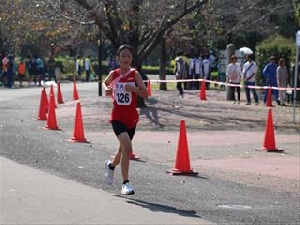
[224,84]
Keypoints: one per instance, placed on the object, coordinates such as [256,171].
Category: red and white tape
[223,83]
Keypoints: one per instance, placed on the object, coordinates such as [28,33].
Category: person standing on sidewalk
[270,76]
[10,71]
[29,67]
[234,73]
[249,71]
[87,67]
[180,71]
[124,85]
[282,80]
[51,68]
[206,70]
[21,71]
[78,66]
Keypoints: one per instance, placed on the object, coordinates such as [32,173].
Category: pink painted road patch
[284,167]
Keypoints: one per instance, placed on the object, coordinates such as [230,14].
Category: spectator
[113,64]
[1,57]
[58,70]
[21,71]
[269,73]
[282,80]
[221,74]
[10,71]
[180,71]
[5,61]
[35,71]
[233,74]
[78,65]
[29,67]
[191,74]
[187,85]
[249,72]
[40,64]
[51,68]
[206,69]
[197,72]
[213,61]
[87,67]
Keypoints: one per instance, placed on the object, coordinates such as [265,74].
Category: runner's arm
[140,90]
[107,81]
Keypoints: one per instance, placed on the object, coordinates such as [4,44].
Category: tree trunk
[140,101]
[230,51]
[162,69]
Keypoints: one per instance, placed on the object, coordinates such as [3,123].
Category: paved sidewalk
[29,196]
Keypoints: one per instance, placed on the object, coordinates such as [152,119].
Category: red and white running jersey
[124,102]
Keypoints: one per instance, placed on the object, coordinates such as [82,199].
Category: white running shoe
[109,173]
[127,189]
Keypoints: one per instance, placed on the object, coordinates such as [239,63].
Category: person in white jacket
[234,74]
[282,80]
[249,72]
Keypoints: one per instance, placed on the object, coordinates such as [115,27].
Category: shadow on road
[162,208]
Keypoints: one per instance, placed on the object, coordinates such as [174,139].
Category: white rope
[223,83]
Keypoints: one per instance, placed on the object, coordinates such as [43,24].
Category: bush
[273,46]
[69,66]
[154,70]
[69,70]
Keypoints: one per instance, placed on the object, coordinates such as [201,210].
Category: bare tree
[139,23]
[244,16]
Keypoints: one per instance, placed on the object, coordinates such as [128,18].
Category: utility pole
[230,51]
[296,74]
[99,42]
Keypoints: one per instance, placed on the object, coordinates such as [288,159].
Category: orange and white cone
[269,139]
[203,91]
[43,106]
[51,120]
[182,164]
[78,134]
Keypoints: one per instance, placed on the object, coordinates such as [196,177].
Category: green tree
[273,46]
[140,23]
[296,5]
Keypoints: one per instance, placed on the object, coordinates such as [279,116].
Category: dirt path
[222,136]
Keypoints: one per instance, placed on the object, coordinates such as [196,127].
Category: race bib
[122,96]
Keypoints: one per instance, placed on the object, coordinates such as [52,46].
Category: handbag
[248,78]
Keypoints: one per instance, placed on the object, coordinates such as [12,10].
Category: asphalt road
[25,140]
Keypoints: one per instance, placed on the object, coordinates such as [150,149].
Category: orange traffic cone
[75,93]
[46,101]
[149,92]
[52,93]
[182,165]
[78,134]
[43,106]
[59,95]
[269,140]
[203,90]
[269,98]
[51,120]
